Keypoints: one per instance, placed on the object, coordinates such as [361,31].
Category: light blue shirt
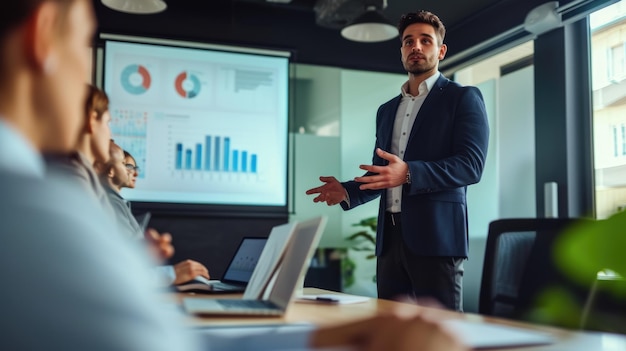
[17,154]
[63,290]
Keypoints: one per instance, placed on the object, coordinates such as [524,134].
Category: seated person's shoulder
[47,202]
[69,165]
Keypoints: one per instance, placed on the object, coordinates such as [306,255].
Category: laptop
[237,274]
[279,286]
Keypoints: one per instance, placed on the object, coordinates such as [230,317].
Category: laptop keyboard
[255,306]
[219,286]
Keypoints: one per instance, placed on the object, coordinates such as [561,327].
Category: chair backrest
[518,264]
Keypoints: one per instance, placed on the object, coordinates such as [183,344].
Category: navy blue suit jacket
[446,152]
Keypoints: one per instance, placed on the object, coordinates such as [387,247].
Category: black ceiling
[293,26]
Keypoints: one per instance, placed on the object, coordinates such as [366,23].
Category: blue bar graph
[214,153]
[217,154]
[226,153]
[198,156]
[207,153]
[188,159]
[179,156]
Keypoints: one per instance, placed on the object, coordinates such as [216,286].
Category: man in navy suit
[431,142]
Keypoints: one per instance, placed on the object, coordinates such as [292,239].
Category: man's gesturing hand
[385,177]
[332,192]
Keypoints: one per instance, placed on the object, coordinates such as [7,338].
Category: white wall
[516,144]
[507,188]
[362,93]
[315,156]
[482,204]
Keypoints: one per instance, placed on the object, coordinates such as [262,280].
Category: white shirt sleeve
[347,200]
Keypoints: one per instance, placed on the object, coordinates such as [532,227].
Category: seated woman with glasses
[132,168]
[178,273]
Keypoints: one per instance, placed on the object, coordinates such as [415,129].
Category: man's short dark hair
[422,16]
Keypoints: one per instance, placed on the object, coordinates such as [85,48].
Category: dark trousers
[401,274]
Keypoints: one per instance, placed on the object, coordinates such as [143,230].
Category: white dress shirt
[405,117]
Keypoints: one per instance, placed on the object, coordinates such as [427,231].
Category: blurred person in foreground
[71,295]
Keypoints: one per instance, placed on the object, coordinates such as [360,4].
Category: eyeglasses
[131,167]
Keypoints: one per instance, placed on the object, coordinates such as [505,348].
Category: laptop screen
[296,260]
[242,265]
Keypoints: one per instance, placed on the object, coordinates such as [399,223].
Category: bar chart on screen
[210,157]
[214,154]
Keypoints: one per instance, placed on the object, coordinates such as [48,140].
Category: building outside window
[608,69]
[616,63]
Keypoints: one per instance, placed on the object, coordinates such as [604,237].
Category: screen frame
[207,209]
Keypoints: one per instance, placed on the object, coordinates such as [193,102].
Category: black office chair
[518,267]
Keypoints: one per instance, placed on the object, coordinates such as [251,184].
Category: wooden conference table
[322,314]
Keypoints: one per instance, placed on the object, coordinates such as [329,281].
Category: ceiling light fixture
[370,27]
[142,7]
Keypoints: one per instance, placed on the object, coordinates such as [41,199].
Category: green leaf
[589,247]
[363,235]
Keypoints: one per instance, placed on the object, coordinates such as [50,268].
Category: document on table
[337,299]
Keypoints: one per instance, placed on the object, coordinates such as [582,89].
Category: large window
[608,67]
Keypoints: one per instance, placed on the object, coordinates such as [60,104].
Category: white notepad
[337,299]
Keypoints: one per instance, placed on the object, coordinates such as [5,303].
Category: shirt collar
[17,154]
[83,160]
[109,189]
[424,87]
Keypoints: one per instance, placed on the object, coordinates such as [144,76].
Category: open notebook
[275,281]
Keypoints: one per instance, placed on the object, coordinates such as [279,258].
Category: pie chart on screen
[136,79]
[187,85]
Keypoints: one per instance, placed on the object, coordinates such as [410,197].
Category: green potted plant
[362,241]
[595,248]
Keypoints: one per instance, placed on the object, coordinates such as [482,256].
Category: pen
[326,299]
